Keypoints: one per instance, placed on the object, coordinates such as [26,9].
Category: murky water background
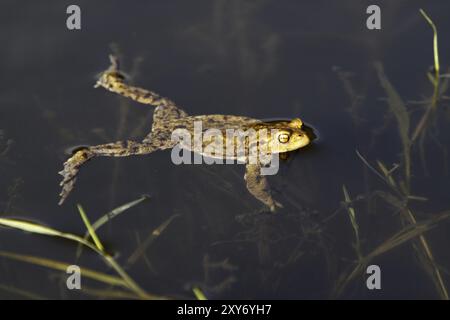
[264,59]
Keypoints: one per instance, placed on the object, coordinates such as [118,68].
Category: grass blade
[155,233]
[370,166]
[352,215]
[435,41]
[62,266]
[109,216]
[115,212]
[90,229]
[21,292]
[199,293]
[400,112]
[387,173]
[406,234]
[32,227]
[421,127]
[98,248]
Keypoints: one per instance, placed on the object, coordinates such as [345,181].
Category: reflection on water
[372,190]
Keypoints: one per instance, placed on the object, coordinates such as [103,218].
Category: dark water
[264,59]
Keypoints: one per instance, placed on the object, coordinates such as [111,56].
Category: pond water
[364,91]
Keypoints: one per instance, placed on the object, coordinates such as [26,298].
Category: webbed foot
[70,171]
[111,76]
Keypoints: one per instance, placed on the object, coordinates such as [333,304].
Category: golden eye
[283,138]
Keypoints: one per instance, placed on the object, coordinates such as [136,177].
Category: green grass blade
[21,292]
[109,216]
[90,229]
[110,260]
[387,173]
[146,243]
[406,234]
[62,266]
[368,165]
[435,41]
[126,280]
[352,214]
[115,212]
[398,109]
[109,293]
[421,127]
[131,284]
[29,226]
[199,293]
[32,227]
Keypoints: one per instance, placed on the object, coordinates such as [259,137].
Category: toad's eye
[283,138]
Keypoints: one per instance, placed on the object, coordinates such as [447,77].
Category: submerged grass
[62,266]
[352,214]
[108,217]
[199,293]
[123,280]
[21,293]
[398,108]
[406,234]
[109,293]
[91,230]
[142,248]
[35,228]
[399,185]
[435,42]
[421,127]
[400,202]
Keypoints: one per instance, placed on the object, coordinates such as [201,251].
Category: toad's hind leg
[116,149]
[258,186]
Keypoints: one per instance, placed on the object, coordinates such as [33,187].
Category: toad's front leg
[258,186]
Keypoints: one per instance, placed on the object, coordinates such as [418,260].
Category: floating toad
[280,136]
